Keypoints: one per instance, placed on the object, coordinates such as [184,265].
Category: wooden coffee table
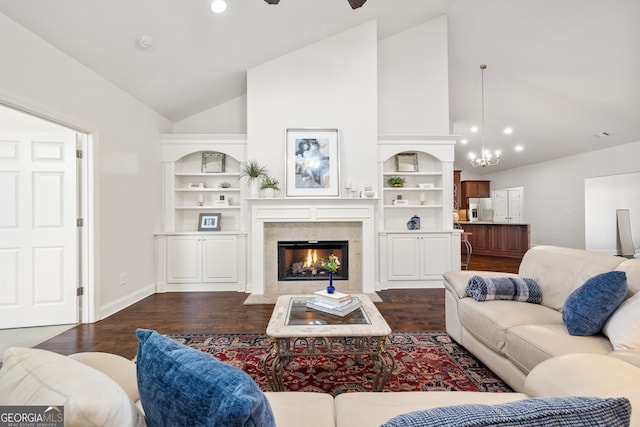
[295,330]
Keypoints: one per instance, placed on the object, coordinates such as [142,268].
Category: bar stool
[464,239]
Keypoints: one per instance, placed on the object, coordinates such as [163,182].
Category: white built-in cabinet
[417,257]
[202,259]
[192,260]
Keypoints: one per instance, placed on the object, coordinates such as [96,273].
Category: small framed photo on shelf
[209,222]
[212,162]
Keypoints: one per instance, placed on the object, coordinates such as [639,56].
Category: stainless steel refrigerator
[480,209]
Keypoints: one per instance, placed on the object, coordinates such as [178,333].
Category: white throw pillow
[623,326]
[42,378]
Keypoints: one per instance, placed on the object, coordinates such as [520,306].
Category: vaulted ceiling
[561,73]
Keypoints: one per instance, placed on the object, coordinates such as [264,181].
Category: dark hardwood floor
[406,310]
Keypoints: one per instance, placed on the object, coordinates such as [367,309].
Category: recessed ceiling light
[218,6]
[474,129]
[463,141]
[518,148]
[144,41]
[508,130]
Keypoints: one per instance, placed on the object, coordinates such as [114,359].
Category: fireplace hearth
[302,260]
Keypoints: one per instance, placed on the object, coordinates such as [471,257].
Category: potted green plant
[253,171]
[270,185]
[396,181]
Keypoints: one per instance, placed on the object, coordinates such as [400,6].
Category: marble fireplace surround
[310,219]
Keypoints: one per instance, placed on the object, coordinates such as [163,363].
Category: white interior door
[500,205]
[38,253]
[515,205]
[507,204]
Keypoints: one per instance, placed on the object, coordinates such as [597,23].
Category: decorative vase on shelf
[330,288]
[269,193]
[254,189]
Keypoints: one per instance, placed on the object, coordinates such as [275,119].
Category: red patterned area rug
[423,362]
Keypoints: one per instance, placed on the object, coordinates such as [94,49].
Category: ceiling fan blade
[356,3]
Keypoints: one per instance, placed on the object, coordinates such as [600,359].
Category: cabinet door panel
[496,234]
[220,260]
[404,258]
[436,259]
[517,239]
[478,237]
[184,260]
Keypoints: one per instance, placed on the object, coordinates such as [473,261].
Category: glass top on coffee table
[300,314]
[291,318]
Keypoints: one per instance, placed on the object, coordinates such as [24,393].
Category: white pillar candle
[200,198]
[422,197]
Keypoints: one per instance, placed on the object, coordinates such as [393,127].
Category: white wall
[227,118]
[41,79]
[412,100]
[413,81]
[554,202]
[604,195]
[330,84]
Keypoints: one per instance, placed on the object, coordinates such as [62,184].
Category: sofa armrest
[583,374]
[456,281]
[119,369]
[629,356]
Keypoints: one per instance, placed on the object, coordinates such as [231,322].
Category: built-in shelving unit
[196,192]
[189,259]
[411,257]
[421,195]
[189,191]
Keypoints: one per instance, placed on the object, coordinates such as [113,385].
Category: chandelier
[486,157]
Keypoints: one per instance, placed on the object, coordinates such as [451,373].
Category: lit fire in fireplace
[304,260]
[312,258]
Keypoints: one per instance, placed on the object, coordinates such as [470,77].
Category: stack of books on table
[337,303]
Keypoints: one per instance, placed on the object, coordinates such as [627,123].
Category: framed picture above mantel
[312,163]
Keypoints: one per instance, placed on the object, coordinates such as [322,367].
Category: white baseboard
[124,302]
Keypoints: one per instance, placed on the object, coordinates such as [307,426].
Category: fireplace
[302,260]
[304,219]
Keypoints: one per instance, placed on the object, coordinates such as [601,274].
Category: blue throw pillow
[181,386]
[548,411]
[587,308]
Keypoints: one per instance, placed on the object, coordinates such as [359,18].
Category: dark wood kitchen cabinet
[507,240]
[474,189]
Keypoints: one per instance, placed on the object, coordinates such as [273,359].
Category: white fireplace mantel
[311,210]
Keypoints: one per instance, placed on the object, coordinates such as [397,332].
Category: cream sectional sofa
[512,337]
[100,389]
